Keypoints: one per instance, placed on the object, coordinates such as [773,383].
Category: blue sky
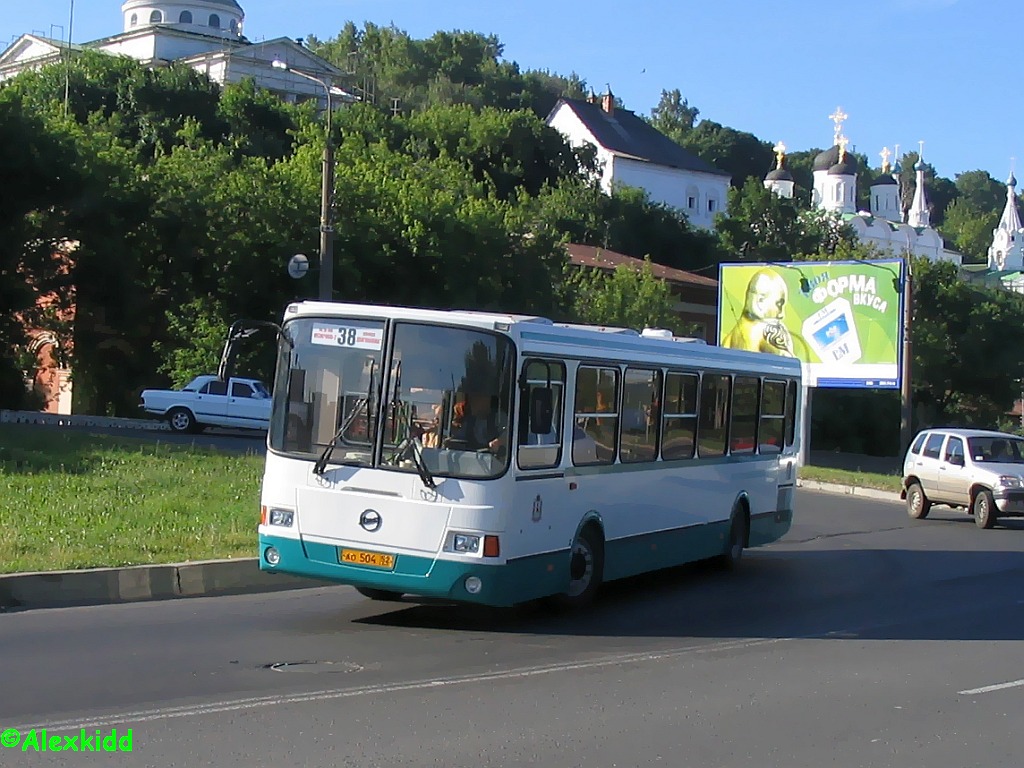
[941,71]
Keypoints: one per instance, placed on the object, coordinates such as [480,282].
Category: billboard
[842,319]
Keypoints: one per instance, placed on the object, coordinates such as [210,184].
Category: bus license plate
[362,557]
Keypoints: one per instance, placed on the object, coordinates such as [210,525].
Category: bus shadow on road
[841,593]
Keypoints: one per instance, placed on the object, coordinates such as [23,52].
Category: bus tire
[730,559]
[586,569]
[384,595]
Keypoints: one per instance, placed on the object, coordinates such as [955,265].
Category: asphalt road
[863,639]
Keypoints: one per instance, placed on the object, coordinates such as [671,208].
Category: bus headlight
[272,556]
[473,585]
[463,542]
[281,517]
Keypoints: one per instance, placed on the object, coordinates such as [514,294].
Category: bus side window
[540,449]
[638,440]
[771,432]
[713,424]
[743,422]
[597,416]
[790,413]
[679,432]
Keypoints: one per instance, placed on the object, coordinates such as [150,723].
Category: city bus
[496,459]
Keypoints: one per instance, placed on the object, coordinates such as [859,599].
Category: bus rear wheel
[384,595]
[730,559]
[586,569]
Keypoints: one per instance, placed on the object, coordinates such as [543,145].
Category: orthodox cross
[842,141]
[780,152]
[885,154]
[838,117]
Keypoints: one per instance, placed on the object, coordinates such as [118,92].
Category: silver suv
[972,469]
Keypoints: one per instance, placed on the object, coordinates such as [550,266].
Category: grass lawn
[859,479]
[70,499]
[76,500]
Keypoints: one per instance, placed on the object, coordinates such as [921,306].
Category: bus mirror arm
[239,330]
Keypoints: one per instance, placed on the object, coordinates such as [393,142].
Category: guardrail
[72,420]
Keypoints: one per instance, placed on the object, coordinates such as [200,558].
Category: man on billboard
[760,327]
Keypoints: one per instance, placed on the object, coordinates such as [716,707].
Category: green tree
[970,229]
[626,222]
[967,342]
[979,190]
[40,182]
[674,116]
[738,153]
[625,297]
[761,226]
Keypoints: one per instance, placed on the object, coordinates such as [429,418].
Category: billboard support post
[805,425]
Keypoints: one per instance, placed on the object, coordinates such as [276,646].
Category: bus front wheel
[384,595]
[586,569]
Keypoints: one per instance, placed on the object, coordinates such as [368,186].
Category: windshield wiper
[410,445]
[363,402]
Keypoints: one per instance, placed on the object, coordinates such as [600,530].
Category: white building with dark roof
[206,35]
[633,153]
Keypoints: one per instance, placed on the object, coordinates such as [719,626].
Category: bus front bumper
[500,585]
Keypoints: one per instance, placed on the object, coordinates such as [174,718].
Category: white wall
[708,193]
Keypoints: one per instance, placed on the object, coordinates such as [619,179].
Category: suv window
[933,447]
[955,451]
[997,449]
[916,447]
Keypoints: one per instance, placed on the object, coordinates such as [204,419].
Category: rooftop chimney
[608,101]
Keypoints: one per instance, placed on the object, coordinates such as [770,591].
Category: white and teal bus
[497,459]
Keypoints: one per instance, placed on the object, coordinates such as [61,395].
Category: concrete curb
[849,490]
[96,586]
[67,420]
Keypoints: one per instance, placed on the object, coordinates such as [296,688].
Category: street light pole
[906,391]
[327,213]
[326,193]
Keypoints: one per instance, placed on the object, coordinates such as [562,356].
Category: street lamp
[326,209]
[906,391]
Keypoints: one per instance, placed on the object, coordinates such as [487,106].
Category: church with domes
[884,225]
[205,35]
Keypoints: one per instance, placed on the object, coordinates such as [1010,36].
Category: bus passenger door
[541,492]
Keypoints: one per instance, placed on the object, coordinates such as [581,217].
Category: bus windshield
[441,409]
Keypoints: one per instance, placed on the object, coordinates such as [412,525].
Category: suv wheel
[918,505]
[984,509]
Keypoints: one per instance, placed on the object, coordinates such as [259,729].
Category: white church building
[206,35]
[884,225]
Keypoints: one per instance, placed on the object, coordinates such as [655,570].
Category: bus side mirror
[541,410]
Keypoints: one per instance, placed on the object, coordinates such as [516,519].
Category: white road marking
[990,688]
[233,705]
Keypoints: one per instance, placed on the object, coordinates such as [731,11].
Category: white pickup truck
[207,401]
